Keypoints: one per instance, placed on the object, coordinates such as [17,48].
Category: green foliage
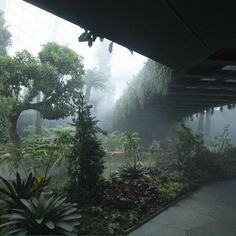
[155,150]
[227,161]
[170,191]
[219,144]
[56,73]
[111,141]
[131,172]
[187,144]
[5,107]
[22,189]
[4,137]
[5,36]
[100,220]
[130,142]
[94,79]
[140,194]
[203,168]
[45,153]
[152,80]
[86,161]
[44,216]
[52,133]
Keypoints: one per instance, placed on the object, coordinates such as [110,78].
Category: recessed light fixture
[230,80]
[208,79]
[214,88]
[229,68]
[191,87]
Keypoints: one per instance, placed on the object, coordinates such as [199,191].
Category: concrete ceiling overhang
[196,38]
[176,33]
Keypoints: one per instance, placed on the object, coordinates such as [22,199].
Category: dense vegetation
[153,79]
[61,181]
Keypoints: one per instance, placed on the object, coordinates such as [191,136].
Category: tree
[3,119]
[94,79]
[208,124]
[130,142]
[5,36]
[57,74]
[86,161]
[201,122]
[39,121]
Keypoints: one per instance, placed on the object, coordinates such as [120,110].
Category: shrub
[204,168]
[104,221]
[177,176]
[170,191]
[45,153]
[187,146]
[227,162]
[111,141]
[42,216]
[219,144]
[124,195]
[130,142]
[129,172]
[155,150]
[20,189]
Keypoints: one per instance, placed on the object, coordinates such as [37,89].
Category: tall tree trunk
[87,93]
[38,123]
[200,122]
[208,123]
[13,130]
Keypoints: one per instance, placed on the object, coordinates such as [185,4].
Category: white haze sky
[32,27]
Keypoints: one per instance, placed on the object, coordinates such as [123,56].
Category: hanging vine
[152,80]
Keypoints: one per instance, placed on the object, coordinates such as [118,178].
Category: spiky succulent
[129,172]
[21,189]
[42,216]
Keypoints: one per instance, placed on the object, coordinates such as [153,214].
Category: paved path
[209,211]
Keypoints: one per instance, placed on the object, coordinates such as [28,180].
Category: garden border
[131,229]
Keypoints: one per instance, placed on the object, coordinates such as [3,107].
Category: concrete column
[201,122]
[208,123]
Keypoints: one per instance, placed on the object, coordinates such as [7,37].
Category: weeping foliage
[152,80]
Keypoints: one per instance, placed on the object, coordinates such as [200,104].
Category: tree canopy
[94,79]
[5,36]
[56,73]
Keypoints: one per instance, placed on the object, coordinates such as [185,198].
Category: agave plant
[22,189]
[129,172]
[42,216]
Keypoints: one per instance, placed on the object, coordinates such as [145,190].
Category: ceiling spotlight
[208,79]
[229,68]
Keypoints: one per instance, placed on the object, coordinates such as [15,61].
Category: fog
[32,27]
[219,120]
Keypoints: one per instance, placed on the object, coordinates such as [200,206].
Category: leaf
[65,226]
[50,225]
[72,217]
[39,221]
[28,204]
